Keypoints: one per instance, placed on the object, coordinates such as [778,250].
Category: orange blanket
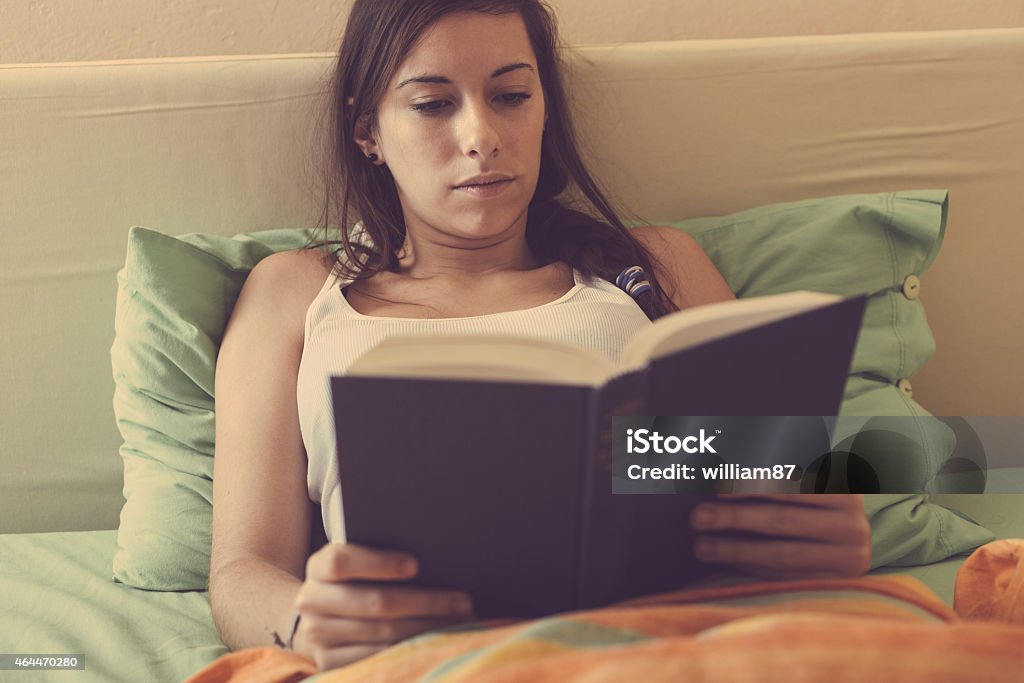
[872,628]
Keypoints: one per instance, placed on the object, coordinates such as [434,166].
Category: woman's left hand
[827,535]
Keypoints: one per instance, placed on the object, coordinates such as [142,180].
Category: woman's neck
[425,257]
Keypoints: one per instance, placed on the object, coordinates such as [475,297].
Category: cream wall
[72,30]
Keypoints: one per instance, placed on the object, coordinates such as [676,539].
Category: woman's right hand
[349,610]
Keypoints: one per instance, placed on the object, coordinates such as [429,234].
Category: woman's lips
[486,189]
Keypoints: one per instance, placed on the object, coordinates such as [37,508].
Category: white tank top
[594,314]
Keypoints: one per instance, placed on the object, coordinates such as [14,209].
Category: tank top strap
[320,303]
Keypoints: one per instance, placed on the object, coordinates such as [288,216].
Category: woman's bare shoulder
[301,268]
[657,238]
[284,284]
[685,271]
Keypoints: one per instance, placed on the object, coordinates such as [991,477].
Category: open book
[488,457]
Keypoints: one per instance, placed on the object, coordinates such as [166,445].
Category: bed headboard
[674,130]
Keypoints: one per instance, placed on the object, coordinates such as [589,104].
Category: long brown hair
[378,37]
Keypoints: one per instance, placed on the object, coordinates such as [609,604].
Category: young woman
[452,145]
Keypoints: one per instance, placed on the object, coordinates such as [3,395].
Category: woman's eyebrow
[500,71]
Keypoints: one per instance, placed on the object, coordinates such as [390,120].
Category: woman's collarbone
[399,296]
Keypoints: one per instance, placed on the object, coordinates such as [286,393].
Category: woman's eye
[514,98]
[433,107]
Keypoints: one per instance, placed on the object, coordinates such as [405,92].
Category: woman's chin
[486,224]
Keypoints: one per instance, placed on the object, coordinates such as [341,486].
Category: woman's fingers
[351,608]
[340,582]
[347,562]
[321,629]
[826,520]
[790,535]
[786,558]
[381,601]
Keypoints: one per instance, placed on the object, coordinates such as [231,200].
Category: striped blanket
[890,628]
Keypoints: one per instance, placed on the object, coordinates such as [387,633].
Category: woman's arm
[261,573]
[261,512]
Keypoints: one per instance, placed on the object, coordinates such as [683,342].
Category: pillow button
[911,287]
[904,386]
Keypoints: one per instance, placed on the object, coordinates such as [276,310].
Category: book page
[485,357]
[695,326]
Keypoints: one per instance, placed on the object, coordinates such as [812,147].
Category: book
[488,457]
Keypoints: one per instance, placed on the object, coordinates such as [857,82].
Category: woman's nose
[479,134]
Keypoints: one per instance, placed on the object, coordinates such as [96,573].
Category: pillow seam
[890,208]
[912,409]
[942,536]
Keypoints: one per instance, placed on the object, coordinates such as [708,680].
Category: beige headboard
[675,130]
[710,127]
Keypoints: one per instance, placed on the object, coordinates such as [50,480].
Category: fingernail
[703,516]
[408,567]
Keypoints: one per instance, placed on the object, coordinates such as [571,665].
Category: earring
[371,157]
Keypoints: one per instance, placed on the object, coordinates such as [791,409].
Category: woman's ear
[366,140]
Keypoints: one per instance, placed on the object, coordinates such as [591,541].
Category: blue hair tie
[632,281]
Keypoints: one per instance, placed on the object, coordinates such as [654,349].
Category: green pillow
[878,244]
[846,245]
[175,296]
[173,302]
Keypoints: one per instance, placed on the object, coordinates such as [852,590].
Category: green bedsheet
[58,597]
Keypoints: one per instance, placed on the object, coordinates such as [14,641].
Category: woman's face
[460,129]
